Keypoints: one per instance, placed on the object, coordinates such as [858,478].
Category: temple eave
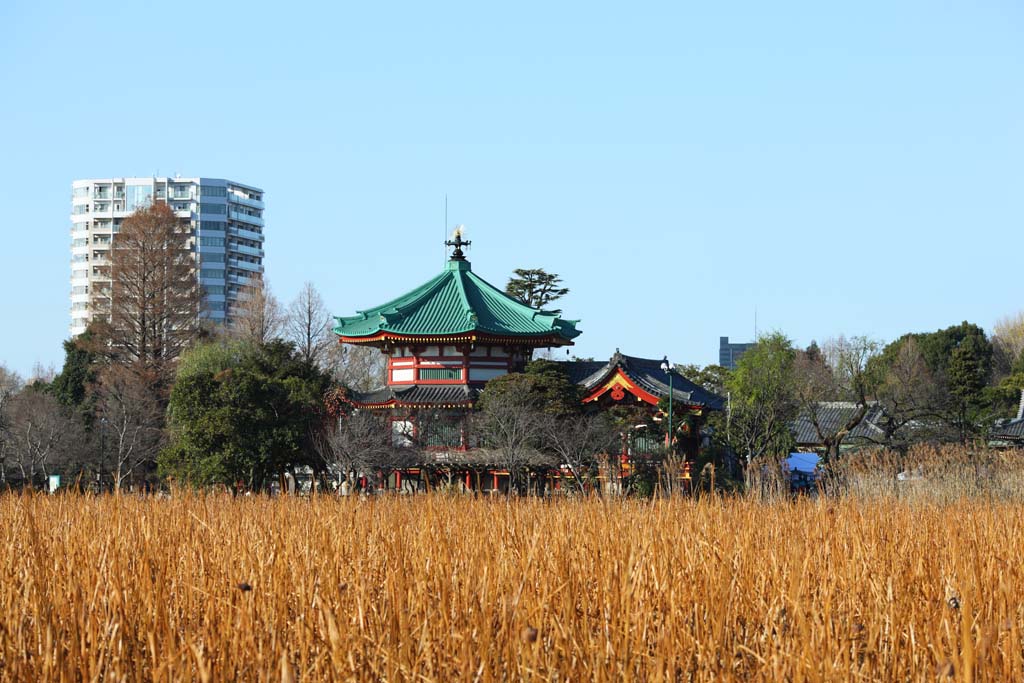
[392,405]
[458,338]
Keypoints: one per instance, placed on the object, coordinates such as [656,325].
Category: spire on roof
[458,243]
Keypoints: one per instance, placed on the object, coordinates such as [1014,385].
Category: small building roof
[457,302]
[1011,430]
[831,416]
[418,396]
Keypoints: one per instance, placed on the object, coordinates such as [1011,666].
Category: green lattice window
[643,444]
[440,373]
[444,435]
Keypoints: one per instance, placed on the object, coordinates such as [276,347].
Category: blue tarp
[802,462]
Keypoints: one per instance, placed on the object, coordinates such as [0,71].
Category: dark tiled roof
[580,370]
[419,395]
[831,416]
[1012,430]
[648,375]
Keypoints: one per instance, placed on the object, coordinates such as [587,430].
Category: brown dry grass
[436,588]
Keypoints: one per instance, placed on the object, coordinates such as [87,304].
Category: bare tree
[42,434]
[360,368]
[359,443]
[510,425]
[43,374]
[307,324]
[1010,333]
[130,419]
[577,441]
[839,374]
[1007,347]
[10,384]
[154,297]
[257,315]
[909,395]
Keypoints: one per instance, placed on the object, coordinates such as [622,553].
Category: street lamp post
[668,370]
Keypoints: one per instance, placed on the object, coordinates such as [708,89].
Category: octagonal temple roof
[457,303]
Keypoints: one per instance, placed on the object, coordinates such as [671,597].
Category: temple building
[447,338]
[643,383]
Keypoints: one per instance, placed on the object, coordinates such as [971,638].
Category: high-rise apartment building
[225,219]
[730,352]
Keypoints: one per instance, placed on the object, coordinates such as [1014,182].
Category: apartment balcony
[245,201]
[245,218]
[246,234]
[248,251]
[241,280]
[245,265]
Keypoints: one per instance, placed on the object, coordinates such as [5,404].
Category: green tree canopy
[72,386]
[243,412]
[959,361]
[763,400]
[536,287]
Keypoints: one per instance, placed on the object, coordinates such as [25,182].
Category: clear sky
[847,169]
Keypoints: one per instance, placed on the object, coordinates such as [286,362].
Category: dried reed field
[211,588]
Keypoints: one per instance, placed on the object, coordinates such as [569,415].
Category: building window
[442,434]
[214,305]
[79,290]
[207,208]
[137,196]
[211,274]
[211,241]
[213,191]
[441,373]
[213,290]
[401,433]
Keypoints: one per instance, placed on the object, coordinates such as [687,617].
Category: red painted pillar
[468,486]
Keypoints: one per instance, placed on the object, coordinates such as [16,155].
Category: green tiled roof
[456,302]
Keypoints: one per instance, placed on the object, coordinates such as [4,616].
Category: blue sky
[847,169]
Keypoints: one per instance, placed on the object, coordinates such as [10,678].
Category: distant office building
[224,217]
[729,353]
